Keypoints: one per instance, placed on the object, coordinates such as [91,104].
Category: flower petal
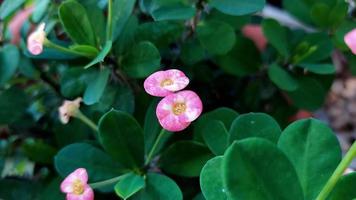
[350,40]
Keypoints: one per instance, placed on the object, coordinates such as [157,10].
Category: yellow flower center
[166,82]
[179,108]
[78,187]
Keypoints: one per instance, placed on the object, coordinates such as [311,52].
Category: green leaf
[96,87]
[40,9]
[142,60]
[87,50]
[9,6]
[256,169]
[237,22]
[100,57]
[192,52]
[121,136]
[276,35]
[13,105]
[211,181]
[51,191]
[185,158]
[81,155]
[223,114]
[168,9]
[241,64]
[345,188]
[38,151]
[129,185]
[73,82]
[216,136]
[320,13]
[122,10]
[310,94]
[11,189]
[157,187]
[127,37]
[255,125]
[9,61]
[237,7]
[76,23]
[98,22]
[303,142]
[216,37]
[323,45]
[282,78]
[318,68]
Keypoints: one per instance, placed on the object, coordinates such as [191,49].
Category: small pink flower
[255,33]
[36,39]
[350,40]
[176,111]
[75,185]
[163,83]
[69,109]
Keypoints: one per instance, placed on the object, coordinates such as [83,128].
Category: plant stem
[154,147]
[109,22]
[87,121]
[106,182]
[52,45]
[345,162]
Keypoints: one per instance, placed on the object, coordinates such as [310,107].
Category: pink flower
[69,109]
[176,111]
[350,40]
[254,32]
[17,22]
[75,185]
[163,83]
[36,39]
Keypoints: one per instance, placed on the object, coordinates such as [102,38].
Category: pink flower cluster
[178,108]
[75,185]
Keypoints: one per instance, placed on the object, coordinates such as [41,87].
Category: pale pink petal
[155,83]
[79,174]
[88,194]
[36,39]
[350,40]
[255,33]
[17,22]
[68,109]
[173,121]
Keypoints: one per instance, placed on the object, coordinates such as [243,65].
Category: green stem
[106,182]
[109,22]
[154,147]
[52,45]
[339,171]
[86,120]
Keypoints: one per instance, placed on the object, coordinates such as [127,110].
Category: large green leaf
[159,187]
[142,60]
[216,37]
[9,61]
[185,158]
[216,136]
[13,105]
[9,6]
[345,188]
[238,7]
[256,169]
[122,10]
[81,155]
[75,21]
[318,68]
[314,151]
[282,78]
[276,36]
[130,184]
[121,136]
[96,87]
[211,182]
[38,151]
[255,125]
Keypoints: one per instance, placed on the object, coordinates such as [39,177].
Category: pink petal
[17,22]
[36,39]
[88,194]
[79,174]
[350,40]
[153,83]
[173,122]
[254,32]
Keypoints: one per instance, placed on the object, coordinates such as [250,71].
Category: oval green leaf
[216,136]
[130,184]
[238,7]
[282,78]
